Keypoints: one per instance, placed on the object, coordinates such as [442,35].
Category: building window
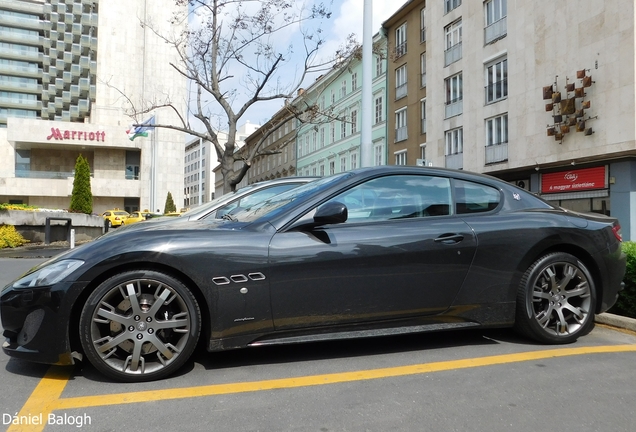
[378,154]
[423,70]
[423,116]
[400,125]
[322,137]
[133,161]
[354,161]
[354,121]
[354,81]
[454,141]
[400,158]
[497,130]
[379,69]
[379,110]
[343,164]
[343,89]
[495,13]
[496,81]
[449,5]
[332,167]
[400,82]
[454,95]
[422,25]
[423,151]
[400,41]
[453,42]
[343,125]
[332,131]
[322,170]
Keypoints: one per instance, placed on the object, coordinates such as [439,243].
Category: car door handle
[449,238]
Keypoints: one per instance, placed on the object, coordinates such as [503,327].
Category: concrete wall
[31,225]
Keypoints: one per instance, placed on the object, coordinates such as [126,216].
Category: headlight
[49,274]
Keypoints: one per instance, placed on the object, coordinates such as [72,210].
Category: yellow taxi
[139,216]
[115,217]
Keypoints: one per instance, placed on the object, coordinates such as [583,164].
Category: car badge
[516,196]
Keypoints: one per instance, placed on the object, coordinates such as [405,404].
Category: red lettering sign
[574,180]
[56,134]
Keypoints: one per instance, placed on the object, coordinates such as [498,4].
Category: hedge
[626,303]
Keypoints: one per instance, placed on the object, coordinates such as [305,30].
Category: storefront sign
[574,180]
[57,134]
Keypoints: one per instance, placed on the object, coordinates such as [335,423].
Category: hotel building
[67,71]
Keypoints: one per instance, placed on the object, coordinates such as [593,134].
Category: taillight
[616,229]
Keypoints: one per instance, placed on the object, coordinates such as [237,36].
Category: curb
[616,321]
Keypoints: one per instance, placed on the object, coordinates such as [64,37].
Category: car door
[400,254]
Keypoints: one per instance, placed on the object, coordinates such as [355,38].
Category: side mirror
[331,213]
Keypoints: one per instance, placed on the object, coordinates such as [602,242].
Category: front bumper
[36,323]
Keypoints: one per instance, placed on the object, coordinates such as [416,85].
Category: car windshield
[208,207]
[278,202]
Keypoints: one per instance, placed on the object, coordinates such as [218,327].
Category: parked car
[140,216]
[245,197]
[115,217]
[366,253]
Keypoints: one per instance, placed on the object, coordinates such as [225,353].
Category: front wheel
[556,300]
[140,326]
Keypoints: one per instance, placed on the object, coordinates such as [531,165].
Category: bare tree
[236,54]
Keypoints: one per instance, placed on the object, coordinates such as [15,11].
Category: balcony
[423,80]
[400,91]
[453,54]
[496,31]
[455,161]
[400,50]
[454,108]
[497,153]
[401,133]
[423,126]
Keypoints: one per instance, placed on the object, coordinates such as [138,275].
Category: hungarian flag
[142,129]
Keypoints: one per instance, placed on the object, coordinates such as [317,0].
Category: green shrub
[81,197]
[9,237]
[170,206]
[626,303]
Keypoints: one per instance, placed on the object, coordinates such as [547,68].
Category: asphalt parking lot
[462,381]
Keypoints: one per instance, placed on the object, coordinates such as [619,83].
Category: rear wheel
[556,300]
[140,326]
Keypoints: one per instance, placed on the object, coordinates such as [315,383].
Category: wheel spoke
[177,321]
[110,342]
[110,315]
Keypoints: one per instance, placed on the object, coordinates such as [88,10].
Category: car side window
[397,197]
[475,198]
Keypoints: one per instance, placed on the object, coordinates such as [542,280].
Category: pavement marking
[46,397]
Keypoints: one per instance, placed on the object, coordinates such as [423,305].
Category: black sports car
[370,252]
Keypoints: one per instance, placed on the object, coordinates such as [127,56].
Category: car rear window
[475,197]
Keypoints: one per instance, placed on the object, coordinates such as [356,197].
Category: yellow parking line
[34,414]
[51,389]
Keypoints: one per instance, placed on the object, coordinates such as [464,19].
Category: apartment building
[328,141]
[537,93]
[66,69]
[277,143]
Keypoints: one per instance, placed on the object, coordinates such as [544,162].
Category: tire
[556,300]
[140,326]
[110,224]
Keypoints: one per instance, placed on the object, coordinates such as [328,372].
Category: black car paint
[329,279]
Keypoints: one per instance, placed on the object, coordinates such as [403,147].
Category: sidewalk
[35,250]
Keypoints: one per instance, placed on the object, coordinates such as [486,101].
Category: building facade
[539,95]
[277,140]
[329,141]
[66,69]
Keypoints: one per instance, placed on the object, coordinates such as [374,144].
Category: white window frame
[400,41]
[378,153]
[400,157]
[378,105]
[497,130]
[495,10]
[401,122]
[454,141]
[449,5]
[400,82]
[423,25]
[496,78]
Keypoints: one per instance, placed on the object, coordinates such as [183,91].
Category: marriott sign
[57,134]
